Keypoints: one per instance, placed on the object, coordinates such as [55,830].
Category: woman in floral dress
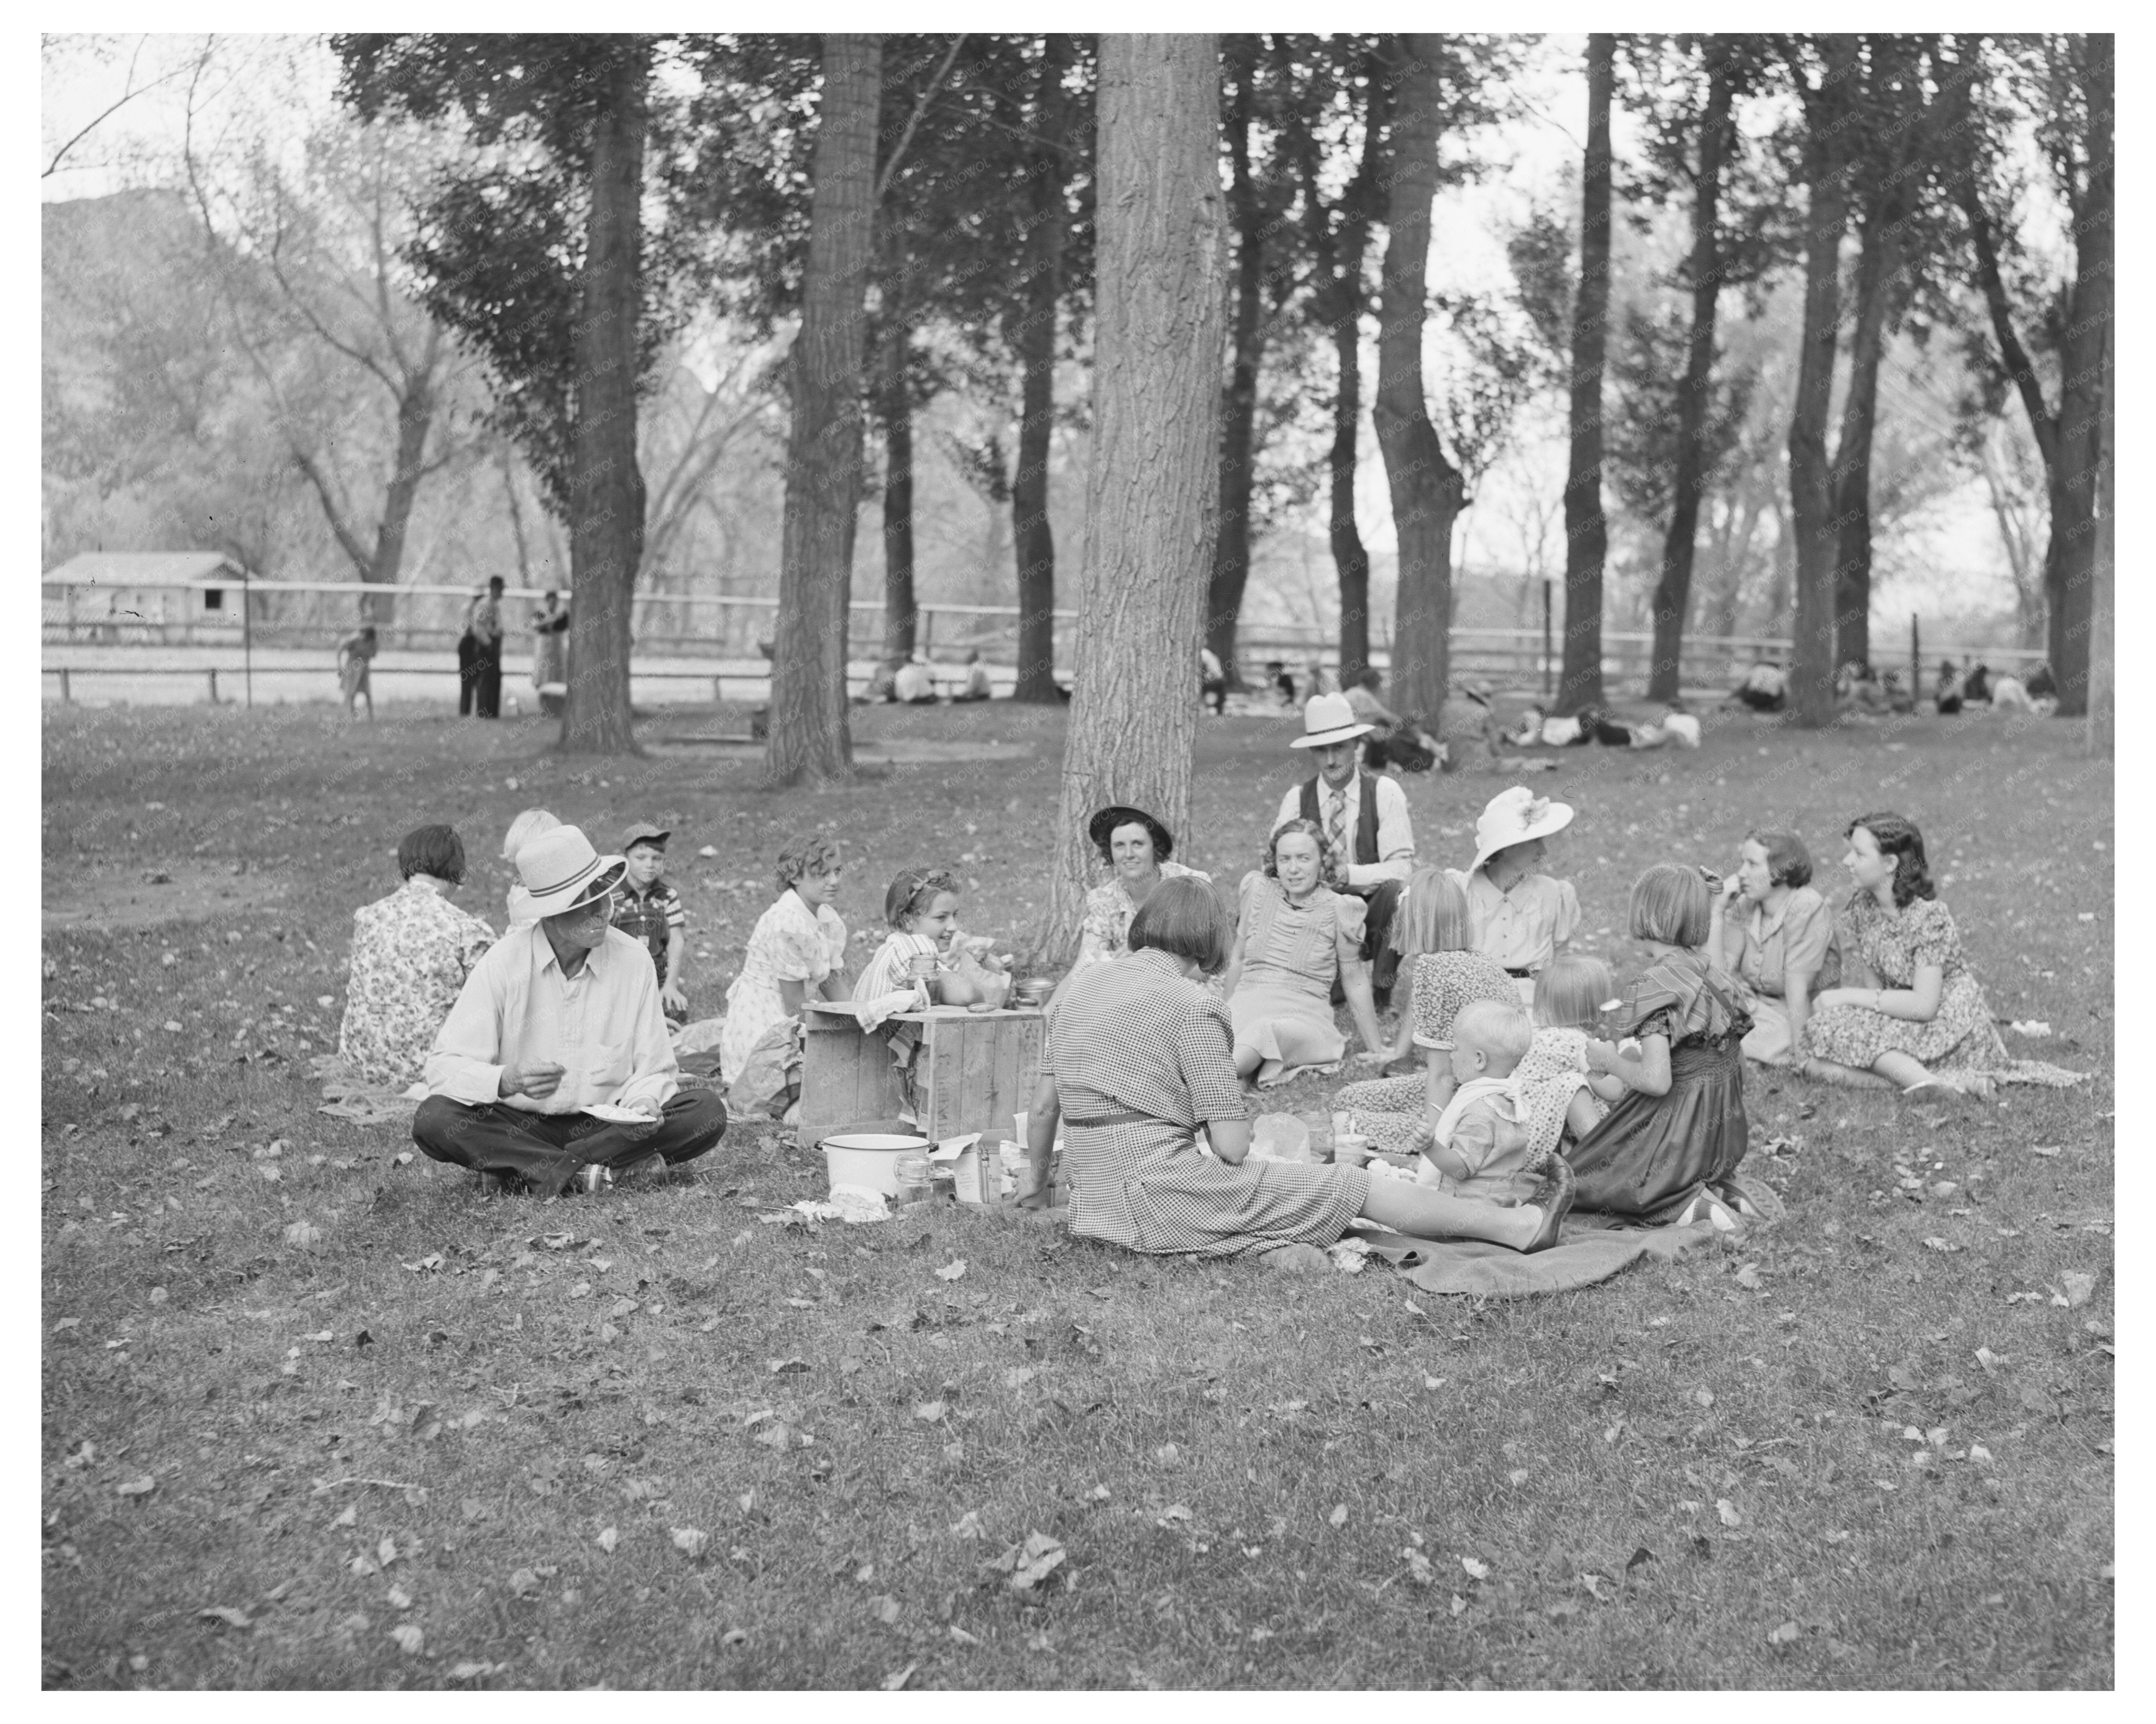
[1294,935]
[1435,931]
[1926,1026]
[410,954]
[797,949]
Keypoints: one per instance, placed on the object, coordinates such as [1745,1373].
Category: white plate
[613,1115]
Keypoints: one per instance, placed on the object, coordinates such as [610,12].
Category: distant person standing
[468,656]
[355,659]
[1212,681]
[486,661]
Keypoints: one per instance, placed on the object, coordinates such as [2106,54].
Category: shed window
[212,598]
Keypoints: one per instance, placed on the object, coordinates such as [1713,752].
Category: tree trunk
[809,737]
[2084,360]
[1672,601]
[1151,486]
[1239,409]
[1878,270]
[415,419]
[1033,536]
[1586,533]
[1350,559]
[1811,479]
[606,488]
[895,404]
[2103,615]
[1428,491]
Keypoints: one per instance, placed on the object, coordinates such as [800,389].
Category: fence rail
[429,619]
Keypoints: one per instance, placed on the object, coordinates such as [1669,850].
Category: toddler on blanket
[1482,1146]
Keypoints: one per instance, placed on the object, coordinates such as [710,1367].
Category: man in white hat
[1364,817]
[555,1057]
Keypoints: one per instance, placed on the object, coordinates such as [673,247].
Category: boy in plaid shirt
[646,908]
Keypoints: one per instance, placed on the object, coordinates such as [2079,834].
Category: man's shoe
[651,1166]
[492,1185]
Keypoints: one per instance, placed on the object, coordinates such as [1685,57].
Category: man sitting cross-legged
[561,1016]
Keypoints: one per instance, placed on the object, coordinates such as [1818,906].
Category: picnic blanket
[1593,1249]
[347,1096]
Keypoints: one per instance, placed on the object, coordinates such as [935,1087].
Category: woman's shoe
[1552,1192]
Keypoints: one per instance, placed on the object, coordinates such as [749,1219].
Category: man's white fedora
[561,870]
[1328,719]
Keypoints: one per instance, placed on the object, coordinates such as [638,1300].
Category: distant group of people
[1861,688]
[911,681]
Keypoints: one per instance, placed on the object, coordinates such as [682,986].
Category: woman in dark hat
[1136,847]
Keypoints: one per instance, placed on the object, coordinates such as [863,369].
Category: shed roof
[143,569]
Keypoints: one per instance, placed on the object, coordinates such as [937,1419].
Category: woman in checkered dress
[1138,1058]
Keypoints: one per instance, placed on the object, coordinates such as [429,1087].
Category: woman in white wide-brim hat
[1523,917]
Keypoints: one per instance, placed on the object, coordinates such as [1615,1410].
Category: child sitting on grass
[1564,1097]
[648,910]
[1432,931]
[1481,1147]
[1671,1143]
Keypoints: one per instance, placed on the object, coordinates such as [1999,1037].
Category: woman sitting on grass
[1780,946]
[1926,1027]
[1295,933]
[411,953]
[1137,848]
[1139,1057]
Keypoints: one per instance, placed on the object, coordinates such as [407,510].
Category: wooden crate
[973,1071]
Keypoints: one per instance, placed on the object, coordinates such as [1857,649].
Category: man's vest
[1366,826]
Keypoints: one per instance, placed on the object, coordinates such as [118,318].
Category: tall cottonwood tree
[808,733]
[1428,490]
[1339,94]
[1586,532]
[1687,90]
[1151,487]
[1823,71]
[2067,83]
[535,253]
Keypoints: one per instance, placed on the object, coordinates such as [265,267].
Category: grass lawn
[653,1439]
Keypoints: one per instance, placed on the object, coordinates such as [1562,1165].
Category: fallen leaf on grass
[963,1638]
[885,1608]
[734,1637]
[466,1669]
[1519,1476]
[1338,1517]
[399,1599]
[1726,1511]
[2079,1286]
[609,1539]
[1705,1397]
[349,1517]
[1783,1634]
[226,1615]
[1935,1243]
[951,1271]
[898,1679]
[1476,1570]
[1017,1376]
[1167,1454]
[386,1553]
[775,1436]
[928,1412]
[1418,1569]
[787,1366]
[1747,1276]
[1029,1564]
[524,1583]
[690,1541]
[303,1234]
[137,1487]
[410,1637]
[2046,1150]
[967,1526]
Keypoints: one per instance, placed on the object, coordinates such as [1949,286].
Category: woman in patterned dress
[1434,932]
[1137,848]
[1926,1027]
[798,948]
[1295,934]
[410,954]
[1139,1056]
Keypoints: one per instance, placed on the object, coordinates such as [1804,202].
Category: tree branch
[920,107]
[61,154]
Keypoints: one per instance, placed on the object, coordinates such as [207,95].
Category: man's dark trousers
[548,1149]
